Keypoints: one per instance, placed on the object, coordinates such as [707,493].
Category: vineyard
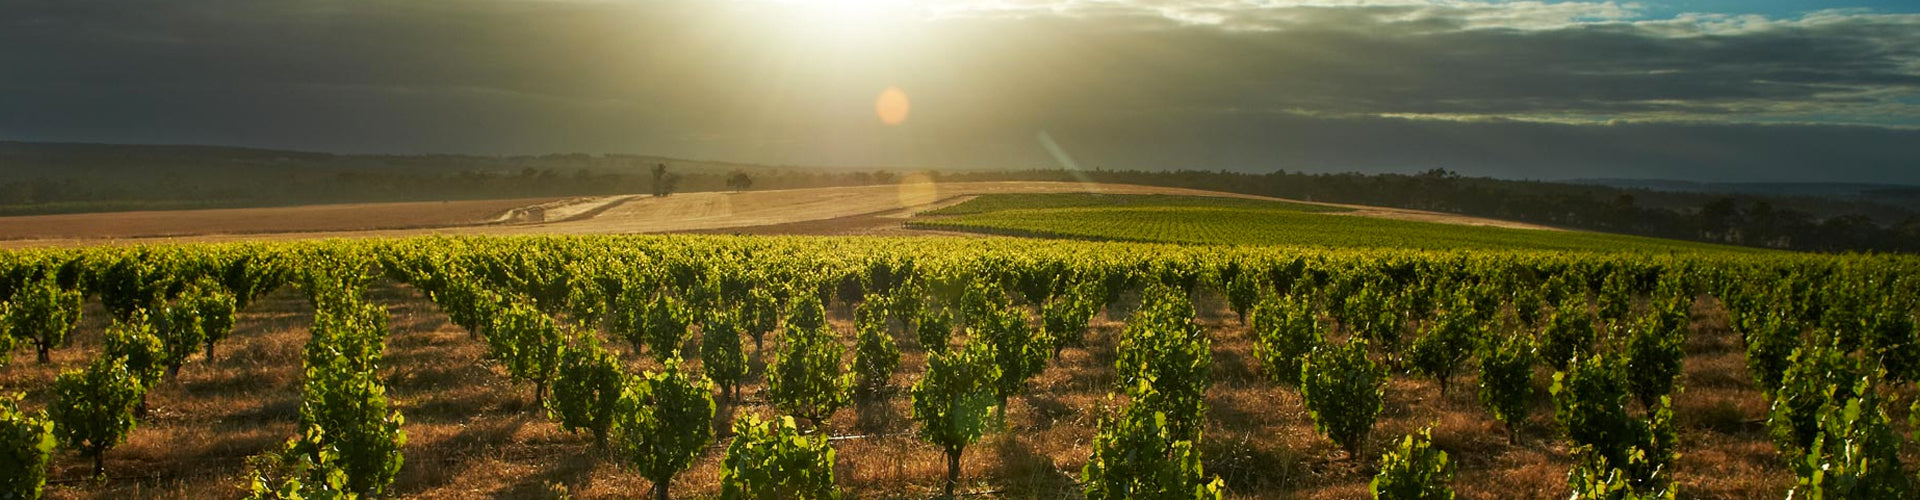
[784,367]
[1234,221]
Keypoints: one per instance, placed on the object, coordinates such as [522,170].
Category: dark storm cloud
[1526,90]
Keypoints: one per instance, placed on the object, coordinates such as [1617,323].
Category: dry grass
[473,434]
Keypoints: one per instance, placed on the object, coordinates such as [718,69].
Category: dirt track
[837,210]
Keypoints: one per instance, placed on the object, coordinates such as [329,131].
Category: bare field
[852,210]
[255,221]
[471,433]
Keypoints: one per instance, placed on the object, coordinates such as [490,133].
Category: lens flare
[892,106]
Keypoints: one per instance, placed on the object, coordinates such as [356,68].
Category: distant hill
[39,178]
[1895,194]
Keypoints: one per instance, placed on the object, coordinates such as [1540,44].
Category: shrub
[771,460]
[290,474]
[760,315]
[586,386]
[1855,454]
[215,307]
[133,342]
[1654,358]
[1012,346]
[721,355]
[806,378]
[875,356]
[1447,343]
[1342,389]
[664,327]
[1284,330]
[92,410]
[1162,348]
[1816,377]
[1506,380]
[1064,319]
[1135,456]
[661,423]
[26,449]
[1414,470]
[344,418]
[1769,345]
[43,314]
[181,332]
[953,400]
[527,343]
[1893,340]
[1590,401]
[1569,334]
[933,327]
[1592,478]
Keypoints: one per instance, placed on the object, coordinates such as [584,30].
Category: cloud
[1477,86]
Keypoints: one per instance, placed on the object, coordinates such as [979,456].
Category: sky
[1709,90]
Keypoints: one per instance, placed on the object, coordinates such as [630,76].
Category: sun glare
[851,17]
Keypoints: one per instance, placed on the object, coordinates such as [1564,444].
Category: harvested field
[827,211]
[257,221]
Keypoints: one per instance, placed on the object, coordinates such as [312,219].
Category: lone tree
[739,181]
[664,182]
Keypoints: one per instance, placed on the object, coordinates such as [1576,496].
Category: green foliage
[1893,340]
[1590,401]
[933,327]
[1284,331]
[664,328]
[527,343]
[1162,349]
[182,333]
[213,307]
[345,419]
[132,342]
[1064,319]
[875,356]
[1654,357]
[1855,453]
[661,423]
[586,386]
[1447,343]
[1506,380]
[1012,345]
[760,315]
[293,474]
[1770,344]
[1592,478]
[26,449]
[771,460]
[1569,334]
[721,356]
[43,314]
[953,401]
[92,409]
[1414,470]
[1343,389]
[1816,377]
[806,377]
[1135,456]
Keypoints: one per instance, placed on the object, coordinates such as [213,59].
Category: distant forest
[1823,224]
[40,178]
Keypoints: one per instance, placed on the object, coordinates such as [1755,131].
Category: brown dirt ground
[473,434]
[836,210]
